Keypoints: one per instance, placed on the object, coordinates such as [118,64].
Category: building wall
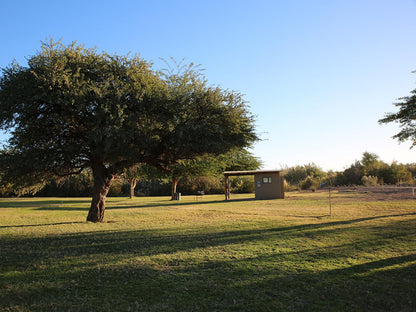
[268,185]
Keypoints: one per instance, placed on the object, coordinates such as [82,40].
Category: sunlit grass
[205,254]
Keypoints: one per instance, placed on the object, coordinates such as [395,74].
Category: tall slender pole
[228,188]
[330,204]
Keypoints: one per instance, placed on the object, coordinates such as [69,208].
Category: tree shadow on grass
[62,208]
[56,205]
[168,203]
[164,270]
[175,203]
[53,203]
[105,271]
[68,204]
[42,224]
[151,242]
[381,285]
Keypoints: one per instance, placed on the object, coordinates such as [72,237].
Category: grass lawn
[204,254]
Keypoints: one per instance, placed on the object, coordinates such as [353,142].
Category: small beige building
[268,184]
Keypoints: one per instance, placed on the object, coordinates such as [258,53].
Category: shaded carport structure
[268,184]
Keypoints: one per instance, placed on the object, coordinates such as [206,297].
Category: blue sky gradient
[318,75]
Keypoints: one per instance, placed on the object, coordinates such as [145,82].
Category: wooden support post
[282,187]
[227,187]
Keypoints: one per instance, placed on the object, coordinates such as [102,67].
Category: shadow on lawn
[42,224]
[56,205]
[11,203]
[154,270]
[151,242]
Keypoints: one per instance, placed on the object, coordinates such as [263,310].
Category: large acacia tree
[72,108]
[202,122]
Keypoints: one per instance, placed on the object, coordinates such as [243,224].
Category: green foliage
[191,185]
[242,184]
[368,160]
[208,184]
[309,183]
[405,117]
[369,181]
[370,171]
[305,177]
[199,119]
[73,108]
[412,169]
[351,175]
[70,186]
[153,187]
[212,165]
[239,160]
[395,174]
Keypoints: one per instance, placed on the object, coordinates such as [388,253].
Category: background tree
[406,117]
[212,165]
[69,186]
[395,173]
[131,176]
[305,177]
[200,166]
[370,170]
[136,172]
[238,159]
[72,108]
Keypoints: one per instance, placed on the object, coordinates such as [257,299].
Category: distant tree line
[81,186]
[368,171]
[190,177]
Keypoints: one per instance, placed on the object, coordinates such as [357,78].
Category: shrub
[242,185]
[369,180]
[309,183]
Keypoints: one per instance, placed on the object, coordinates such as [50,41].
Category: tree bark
[133,183]
[102,182]
[174,185]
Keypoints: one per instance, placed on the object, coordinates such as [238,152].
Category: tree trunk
[102,183]
[174,185]
[133,183]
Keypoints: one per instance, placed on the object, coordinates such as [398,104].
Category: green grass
[204,254]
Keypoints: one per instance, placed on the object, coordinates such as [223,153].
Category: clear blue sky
[317,74]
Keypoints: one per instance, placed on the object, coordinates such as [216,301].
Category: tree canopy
[72,108]
[406,117]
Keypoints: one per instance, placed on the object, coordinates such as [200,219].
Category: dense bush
[380,172]
[369,171]
[242,184]
[191,186]
[369,181]
[304,177]
[309,183]
[351,175]
[71,186]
